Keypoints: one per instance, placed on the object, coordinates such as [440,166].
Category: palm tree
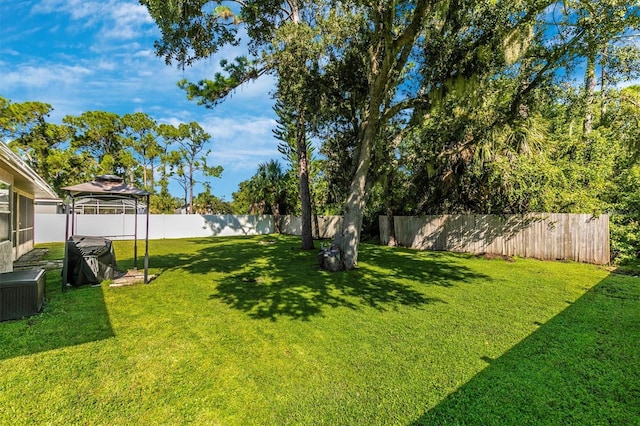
[268,188]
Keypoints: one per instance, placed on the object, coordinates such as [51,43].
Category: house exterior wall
[6,219]
[48,206]
[6,256]
[19,185]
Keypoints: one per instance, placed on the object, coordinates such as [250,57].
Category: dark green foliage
[98,142]
[266,191]
[541,162]
[212,92]
[207,203]
[188,156]
[100,135]
[191,30]
[625,219]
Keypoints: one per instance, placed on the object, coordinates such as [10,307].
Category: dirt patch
[490,256]
[131,277]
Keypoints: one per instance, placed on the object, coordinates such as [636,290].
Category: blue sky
[83,55]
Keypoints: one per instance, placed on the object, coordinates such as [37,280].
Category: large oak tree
[392,61]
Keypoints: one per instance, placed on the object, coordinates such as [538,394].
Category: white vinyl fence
[51,227]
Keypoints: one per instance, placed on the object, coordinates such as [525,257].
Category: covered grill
[90,260]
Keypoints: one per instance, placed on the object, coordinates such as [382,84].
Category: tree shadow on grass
[442,269]
[74,317]
[269,277]
[581,367]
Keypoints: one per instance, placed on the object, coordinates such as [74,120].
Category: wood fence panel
[329,226]
[548,236]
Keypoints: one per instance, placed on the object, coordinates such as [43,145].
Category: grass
[249,331]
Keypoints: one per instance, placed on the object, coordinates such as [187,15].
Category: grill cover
[91,260]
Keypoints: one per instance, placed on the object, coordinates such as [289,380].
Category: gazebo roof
[106,185]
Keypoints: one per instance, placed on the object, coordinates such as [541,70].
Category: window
[5,211]
[26,219]
[22,219]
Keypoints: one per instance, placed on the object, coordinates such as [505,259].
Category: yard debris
[490,256]
[251,279]
[330,257]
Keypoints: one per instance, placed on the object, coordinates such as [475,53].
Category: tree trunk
[186,201]
[381,65]
[145,170]
[590,87]
[303,175]
[150,182]
[387,57]
[275,211]
[316,225]
[351,227]
[388,188]
[391,225]
[604,87]
[190,196]
[356,201]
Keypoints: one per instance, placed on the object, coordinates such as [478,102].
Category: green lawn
[249,331]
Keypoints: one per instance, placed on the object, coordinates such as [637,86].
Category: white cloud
[229,127]
[174,121]
[106,65]
[38,77]
[129,20]
[128,13]
[148,53]
[9,52]
[77,9]
[119,19]
[241,142]
[13,32]
[238,158]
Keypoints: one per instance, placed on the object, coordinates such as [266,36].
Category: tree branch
[540,74]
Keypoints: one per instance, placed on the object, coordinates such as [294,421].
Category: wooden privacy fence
[547,236]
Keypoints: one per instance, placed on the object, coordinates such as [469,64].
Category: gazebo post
[146,247]
[73,215]
[65,268]
[135,236]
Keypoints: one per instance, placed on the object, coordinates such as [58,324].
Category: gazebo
[106,187]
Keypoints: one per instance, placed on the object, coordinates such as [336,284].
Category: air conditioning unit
[21,293]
